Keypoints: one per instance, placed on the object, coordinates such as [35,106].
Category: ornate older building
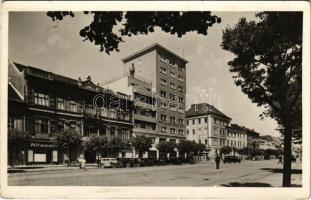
[43,103]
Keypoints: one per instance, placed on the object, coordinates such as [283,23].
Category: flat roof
[148,49]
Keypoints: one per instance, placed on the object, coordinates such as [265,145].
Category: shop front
[43,152]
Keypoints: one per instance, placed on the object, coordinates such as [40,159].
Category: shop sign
[44,145]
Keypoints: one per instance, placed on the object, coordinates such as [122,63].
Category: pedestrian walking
[217,160]
[82,162]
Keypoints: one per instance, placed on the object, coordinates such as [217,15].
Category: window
[205,141]
[180,68]
[199,121]
[180,132]
[73,126]
[193,131]
[172,130]
[163,59]
[172,85]
[15,123]
[172,75]
[180,89]
[73,106]
[163,93]
[187,122]
[173,120]
[163,70]
[180,99]
[181,121]
[163,105]
[187,132]
[60,104]
[172,96]
[163,129]
[180,78]
[172,64]
[41,126]
[193,122]
[42,99]
[163,117]
[90,110]
[163,81]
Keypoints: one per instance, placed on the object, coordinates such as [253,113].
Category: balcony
[142,130]
[144,118]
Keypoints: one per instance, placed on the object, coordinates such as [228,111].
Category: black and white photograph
[170,98]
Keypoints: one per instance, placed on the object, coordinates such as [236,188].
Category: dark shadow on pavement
[15,171]
[279,170]
[255,184]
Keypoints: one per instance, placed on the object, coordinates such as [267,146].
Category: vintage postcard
[124,99]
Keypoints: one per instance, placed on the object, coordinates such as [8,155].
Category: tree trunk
[287,156]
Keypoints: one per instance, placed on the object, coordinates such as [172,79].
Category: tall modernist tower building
[167,73]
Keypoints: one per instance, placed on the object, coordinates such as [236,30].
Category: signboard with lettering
[43,145]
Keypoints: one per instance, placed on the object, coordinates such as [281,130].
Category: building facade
[144,110]
[236,137]
[43,103]
[252,138]
[167,73]
[207,125]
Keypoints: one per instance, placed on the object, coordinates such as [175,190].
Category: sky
[57,47]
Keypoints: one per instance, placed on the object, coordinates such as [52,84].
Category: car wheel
[128,165]
[138,165]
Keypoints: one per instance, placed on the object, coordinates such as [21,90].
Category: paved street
[248,173]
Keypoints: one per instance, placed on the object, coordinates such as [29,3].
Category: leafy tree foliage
[185,146]
[268,68]
[225,150]
[17,141]
[117,144]
[244,151]
[68,141]
[101,31]
[197,148]
[165,147]
[97,144]
[141,144]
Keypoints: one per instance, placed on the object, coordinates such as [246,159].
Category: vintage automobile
[109,162]
[230,159]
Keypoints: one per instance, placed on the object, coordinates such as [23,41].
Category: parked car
[109,162]
[129,162]
[230,159]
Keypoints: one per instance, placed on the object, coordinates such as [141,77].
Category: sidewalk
[40,168]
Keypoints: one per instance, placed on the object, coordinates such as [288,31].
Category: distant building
[252,138]
[236,136]
[207,125]
[267,142]
[167,73]
[43,103]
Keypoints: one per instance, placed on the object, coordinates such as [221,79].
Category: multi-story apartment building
[252,138]
[144,116]
[43,103]
[207,125]
[167,73]
[236,137]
